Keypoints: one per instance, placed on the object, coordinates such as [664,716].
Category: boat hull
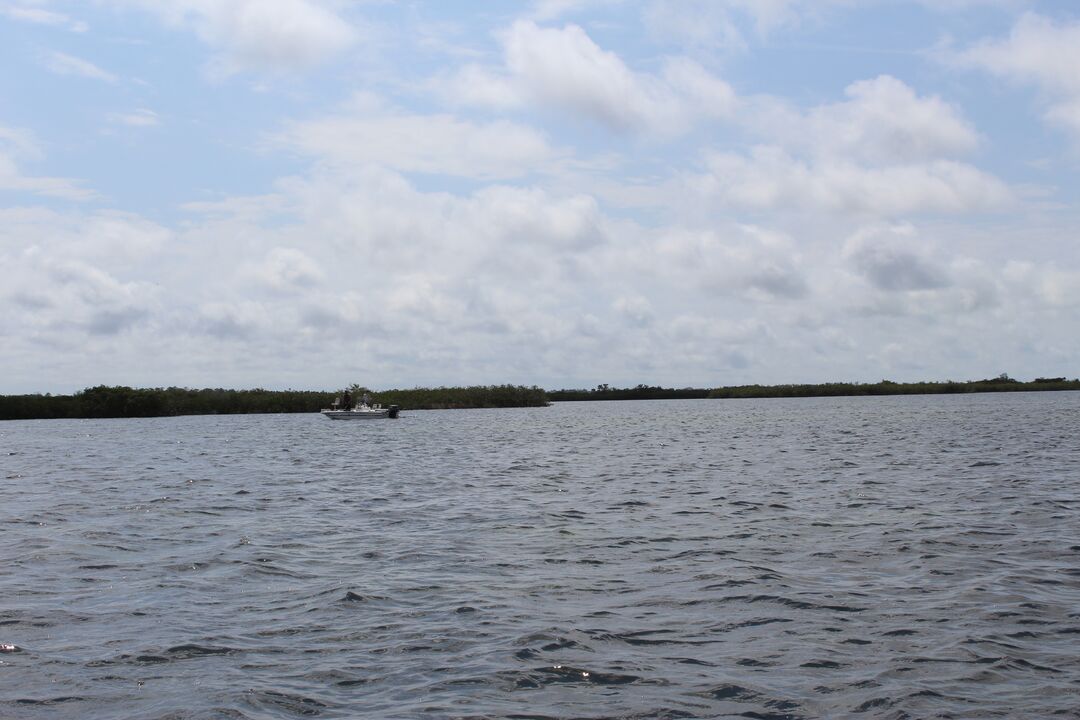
[356,414]
[363,413]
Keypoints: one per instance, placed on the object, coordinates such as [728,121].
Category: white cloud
[564,68]
[521,284]
[637,310]
[482,277]
[1042,52]
[41,16]
[480,85]
[288,270]
[234,321]
[770,178]
[532,216]
[725,24]
[63,64]
[741,260]
[16,144]
[140,117]
[259,34]
[773,242]
[567,68]
[891,259]
[18,141]
[1038,49]
[115,240]
[885,151]
[884,120]
[1047,284]
[94,300]
[699,91]
[439,144]
[75,274]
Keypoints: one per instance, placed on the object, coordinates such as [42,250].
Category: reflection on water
[887,557]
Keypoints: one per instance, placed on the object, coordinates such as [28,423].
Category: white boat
[363,411]
[340,410]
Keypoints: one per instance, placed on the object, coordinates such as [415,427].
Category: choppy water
[866,557]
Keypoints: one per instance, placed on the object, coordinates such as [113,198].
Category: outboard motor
[394,410]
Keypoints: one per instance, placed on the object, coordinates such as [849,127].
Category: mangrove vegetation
[119,401]
[1002,383]
[477,396]
[639,392]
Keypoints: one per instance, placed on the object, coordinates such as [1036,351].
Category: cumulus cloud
[890,259]
[1040,51]
[565,68]
[769,177]
[478,279]
[259,34]
[448,247]
[499,283]
[738,260]
[898,273]
[114,239]
[532,216]
[75,276]
[80,298]
[884,120]
[1047,284]
[885,151]
[368,132]
[635,309]
[288,270]
[241,320]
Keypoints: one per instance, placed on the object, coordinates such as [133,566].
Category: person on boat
[346,398]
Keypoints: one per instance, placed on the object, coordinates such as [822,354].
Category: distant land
[120,401]
[1002,383]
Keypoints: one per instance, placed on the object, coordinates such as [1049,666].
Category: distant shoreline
[1002,383]
[124,402]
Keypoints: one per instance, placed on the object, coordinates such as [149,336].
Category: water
[906,557]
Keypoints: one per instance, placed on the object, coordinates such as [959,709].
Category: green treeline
[112,402]
[477,396]
[640,392]
[115,402]
[1002,383]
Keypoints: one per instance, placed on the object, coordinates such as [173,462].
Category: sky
[313,193]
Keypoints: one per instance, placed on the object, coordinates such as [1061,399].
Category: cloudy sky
[310,193]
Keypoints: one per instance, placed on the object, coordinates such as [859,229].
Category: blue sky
[310,193]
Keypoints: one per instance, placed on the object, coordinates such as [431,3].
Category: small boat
[340,410]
